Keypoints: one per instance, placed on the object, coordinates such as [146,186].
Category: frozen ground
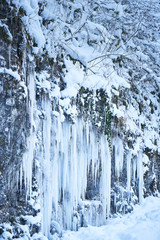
[142,224]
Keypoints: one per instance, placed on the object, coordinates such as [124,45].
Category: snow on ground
[142,224]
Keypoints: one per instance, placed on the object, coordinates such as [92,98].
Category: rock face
[79,111]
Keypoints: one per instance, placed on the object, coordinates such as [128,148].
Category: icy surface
[142,223]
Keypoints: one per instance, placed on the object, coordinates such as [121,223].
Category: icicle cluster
[68,152]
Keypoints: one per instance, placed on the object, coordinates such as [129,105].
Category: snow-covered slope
[142,223]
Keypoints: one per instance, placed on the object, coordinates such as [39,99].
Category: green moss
[83,90]
[34,42]
[21,11]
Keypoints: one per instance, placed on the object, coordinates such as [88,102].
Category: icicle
[28,156]
[17,180]
[75,166]
[108,159]
[140,176]
[119,152]
[105,176]
[46,168]
[54,152]
[24,165]
[9,138]
[20,178]
[115,202]
[134,169]
[128,172]
[9,55]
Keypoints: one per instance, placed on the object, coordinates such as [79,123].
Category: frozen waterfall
[69,151]
[69,158]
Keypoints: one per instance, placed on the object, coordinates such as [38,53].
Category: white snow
[32,21]
[142,223]
[10,72]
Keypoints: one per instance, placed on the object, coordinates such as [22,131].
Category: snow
[22,85]
[6,235]
[142,223]
[38,236]
[118,112]
[10,72]
[100,69]
[32,21]
[32,220]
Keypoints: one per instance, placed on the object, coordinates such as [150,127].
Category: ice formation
[66,152]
